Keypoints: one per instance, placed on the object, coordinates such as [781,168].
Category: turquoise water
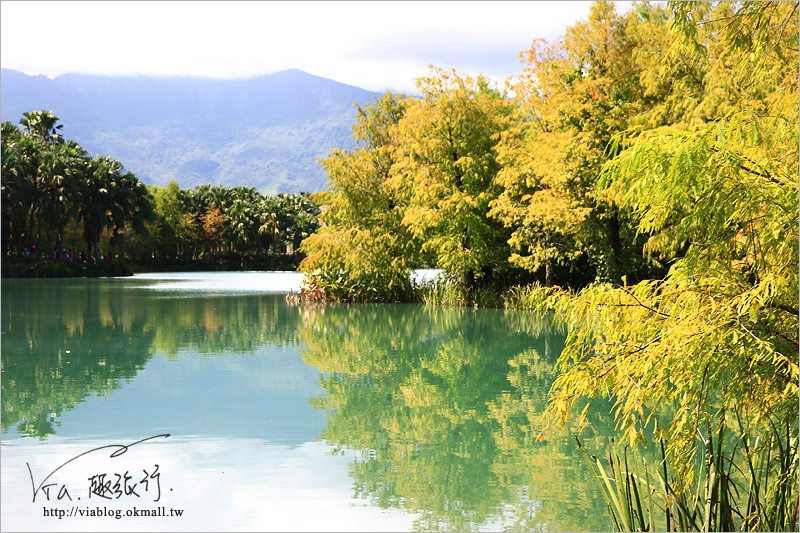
[280,417]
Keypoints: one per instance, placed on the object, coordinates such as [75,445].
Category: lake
[280,417]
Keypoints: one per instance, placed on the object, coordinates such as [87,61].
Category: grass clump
[739,483]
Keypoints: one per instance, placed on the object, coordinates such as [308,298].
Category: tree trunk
[487,275]
[615,244]
[548,271]
[112,242]
[31,228]
[469,279]
[60,242]
[49,240]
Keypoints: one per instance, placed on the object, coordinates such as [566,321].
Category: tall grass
[523,297]
[740,484]
[448,290]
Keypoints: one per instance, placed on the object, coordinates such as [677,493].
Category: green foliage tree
[95,212]
[131,208]
[18,186]
[167,209]
[212,221]
[43,125]
[62,172]
[50,185]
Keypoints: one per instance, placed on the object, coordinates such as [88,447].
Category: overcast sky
[374,45]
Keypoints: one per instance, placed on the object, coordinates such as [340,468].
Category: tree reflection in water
[440,405]
[66,340]
[443,405]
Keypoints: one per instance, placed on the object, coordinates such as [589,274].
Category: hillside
[266,131]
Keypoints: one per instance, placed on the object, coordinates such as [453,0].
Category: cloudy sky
[374,45]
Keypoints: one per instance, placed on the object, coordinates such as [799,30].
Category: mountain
[266,131]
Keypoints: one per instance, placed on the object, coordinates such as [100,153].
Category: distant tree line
[59,204]
[217,222]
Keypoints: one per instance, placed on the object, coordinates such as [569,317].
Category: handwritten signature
[105,485]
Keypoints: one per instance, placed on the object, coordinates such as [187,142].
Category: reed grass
[447,290]
[741,483]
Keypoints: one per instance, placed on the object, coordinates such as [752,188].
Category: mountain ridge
[266,131]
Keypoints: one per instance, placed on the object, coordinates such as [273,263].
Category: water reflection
[444,405]
[436,410]
[65,341]
[60,346]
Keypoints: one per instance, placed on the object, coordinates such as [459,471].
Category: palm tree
[218,195]
[124,197]
[42,124]
[244,194]
[48,181]
[18,157]
[243,225]
[268,214]
[60,178]
[297,219]
[97,200]
[305,218]
[140,206]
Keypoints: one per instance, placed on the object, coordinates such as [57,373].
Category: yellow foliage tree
[444,170]
[362,252]
[720,333]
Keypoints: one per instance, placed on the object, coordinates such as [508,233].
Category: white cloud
[374,45]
